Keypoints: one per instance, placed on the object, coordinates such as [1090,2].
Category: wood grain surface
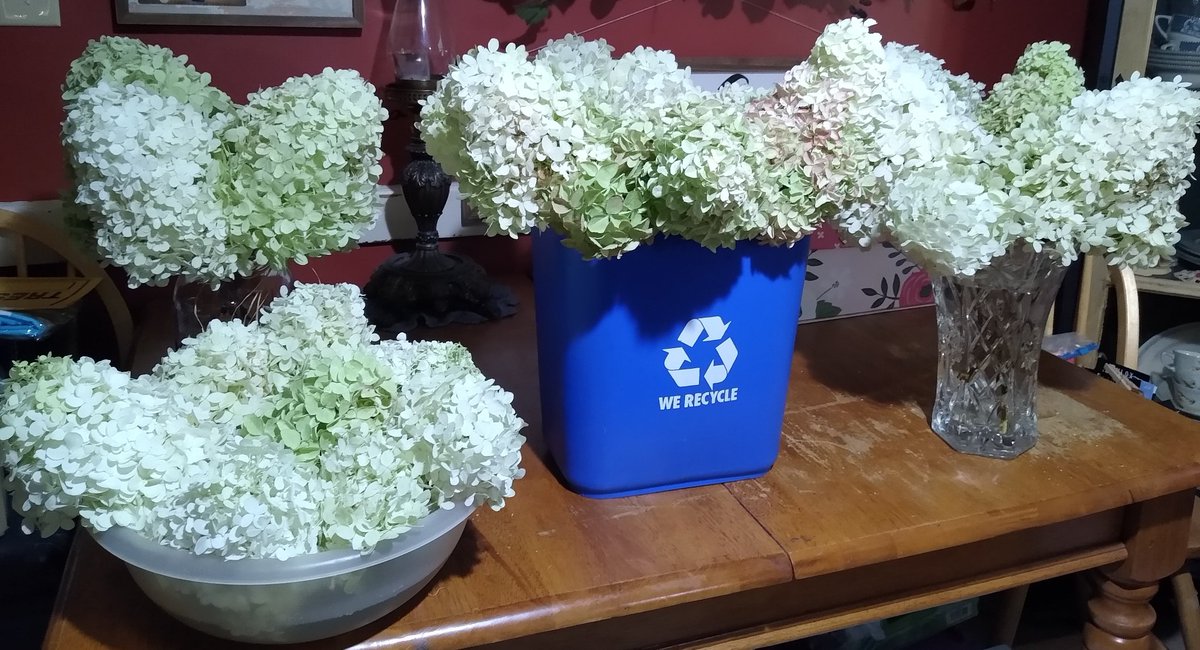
[866,513]
[861,479]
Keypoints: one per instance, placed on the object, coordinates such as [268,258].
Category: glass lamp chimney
[420,40]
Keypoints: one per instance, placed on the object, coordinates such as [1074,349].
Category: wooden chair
[1186,601]
[32,561]
[1093,299]
[1124,282]
[22,228]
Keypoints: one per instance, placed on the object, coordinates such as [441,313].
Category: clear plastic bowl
[288,601]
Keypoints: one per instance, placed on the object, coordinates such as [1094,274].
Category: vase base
[241,298]
[986,444]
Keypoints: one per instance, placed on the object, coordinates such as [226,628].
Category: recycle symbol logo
[713,329]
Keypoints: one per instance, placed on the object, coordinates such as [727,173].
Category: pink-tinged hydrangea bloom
[611,152]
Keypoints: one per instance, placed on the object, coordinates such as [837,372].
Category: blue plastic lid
[17,325]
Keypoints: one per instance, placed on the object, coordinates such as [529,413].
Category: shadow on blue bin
[667,368]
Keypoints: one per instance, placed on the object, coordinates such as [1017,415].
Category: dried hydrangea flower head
[1042,84]
[612,152]
[1039,161]
[287,436]
[170,178]
[122,61]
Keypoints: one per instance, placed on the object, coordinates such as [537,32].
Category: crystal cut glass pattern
[990,329]
[242,298]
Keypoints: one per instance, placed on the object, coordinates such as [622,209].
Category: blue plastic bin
[668,367]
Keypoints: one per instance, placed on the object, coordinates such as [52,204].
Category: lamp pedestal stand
[428,287]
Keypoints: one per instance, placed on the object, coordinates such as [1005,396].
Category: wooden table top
[860,480]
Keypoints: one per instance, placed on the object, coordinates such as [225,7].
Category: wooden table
[867,514]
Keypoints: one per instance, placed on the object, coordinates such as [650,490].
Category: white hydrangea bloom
[943,204]
[949,218]
[144,166]
[461,422]
[170,178]
[286,436]
[612,152]
[328,311]
[1116,164]
[1042,84]
[80,438]
[254,500]
[495,158]
[301,167]
[709,174]
[1103,175]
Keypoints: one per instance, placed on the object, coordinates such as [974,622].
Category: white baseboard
[392,221]
[395,221]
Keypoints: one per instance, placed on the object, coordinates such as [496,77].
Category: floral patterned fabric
[846,280]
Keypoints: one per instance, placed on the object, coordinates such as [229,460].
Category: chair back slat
[56,241]
[19,256]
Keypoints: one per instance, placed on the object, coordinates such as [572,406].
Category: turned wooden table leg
[1120,614]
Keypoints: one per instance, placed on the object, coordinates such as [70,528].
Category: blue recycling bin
[668,367]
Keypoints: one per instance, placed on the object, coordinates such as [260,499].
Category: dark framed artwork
[246,13]
[734,64]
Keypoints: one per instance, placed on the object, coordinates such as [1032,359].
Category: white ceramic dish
[1167,64]
[1192,76]
[305,598]
[1167,55]
[1189,241]
[1154,355]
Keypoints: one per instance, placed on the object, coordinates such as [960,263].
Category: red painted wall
[984,41]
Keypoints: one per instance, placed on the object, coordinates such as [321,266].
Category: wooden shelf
[1168,286]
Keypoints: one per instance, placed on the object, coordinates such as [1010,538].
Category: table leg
[1120,614]
[1009,618]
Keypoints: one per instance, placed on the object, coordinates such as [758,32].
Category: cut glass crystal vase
[990,329]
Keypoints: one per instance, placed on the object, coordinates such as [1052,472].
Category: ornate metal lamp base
[431,289]
[426,287]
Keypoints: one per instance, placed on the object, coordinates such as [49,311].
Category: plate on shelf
[1150,355]
[1187,258]
[1190,276]
[1172,56]
[1191,76]
[1189,242]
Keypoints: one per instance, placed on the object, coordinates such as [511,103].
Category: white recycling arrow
[728,353]
[676,357]
[683,377]
[714,327]
[715,374]
[686,377]
[691,332]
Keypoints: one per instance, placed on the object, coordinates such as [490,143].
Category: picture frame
[242,13]
[735,64]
